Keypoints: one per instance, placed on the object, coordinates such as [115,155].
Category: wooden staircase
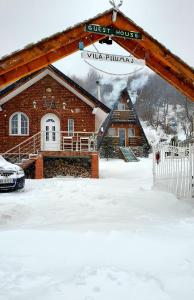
[27,162]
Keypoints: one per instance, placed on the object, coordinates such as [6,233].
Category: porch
[55,145]
[74,144]
[123,116]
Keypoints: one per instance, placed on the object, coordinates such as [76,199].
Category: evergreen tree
[107,147]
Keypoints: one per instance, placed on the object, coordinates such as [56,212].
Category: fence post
[191,164]
[154,170]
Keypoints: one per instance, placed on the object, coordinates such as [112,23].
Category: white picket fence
[174,170]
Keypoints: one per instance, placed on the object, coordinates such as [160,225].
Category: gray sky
[24,21]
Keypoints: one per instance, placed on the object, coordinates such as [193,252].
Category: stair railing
[32,145]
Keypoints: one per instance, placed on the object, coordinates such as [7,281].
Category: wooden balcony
[123,116]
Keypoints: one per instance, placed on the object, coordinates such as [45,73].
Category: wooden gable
[127,119]
[124,115]
[157,57]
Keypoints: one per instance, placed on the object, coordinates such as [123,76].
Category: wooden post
[95,165]
[39,167]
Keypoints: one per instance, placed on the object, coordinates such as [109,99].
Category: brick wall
[55,165]
[49,96]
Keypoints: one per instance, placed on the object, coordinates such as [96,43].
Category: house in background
[49,122]
[123,125]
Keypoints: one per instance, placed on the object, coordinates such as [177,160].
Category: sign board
[112,58]
[113,31]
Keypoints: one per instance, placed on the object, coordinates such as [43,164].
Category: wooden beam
[131,46]
[47,51]
[46,59]
[183,83]
[149,43]
[51,44]
[176,79]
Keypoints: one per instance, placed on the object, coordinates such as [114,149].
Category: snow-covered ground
[107,239]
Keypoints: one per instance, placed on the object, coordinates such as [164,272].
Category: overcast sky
[171,22]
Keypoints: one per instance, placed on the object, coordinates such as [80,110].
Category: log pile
[67,167]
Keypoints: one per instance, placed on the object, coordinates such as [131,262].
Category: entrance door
[50,128]
[122,137]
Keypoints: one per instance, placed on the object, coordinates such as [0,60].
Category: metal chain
[96,48]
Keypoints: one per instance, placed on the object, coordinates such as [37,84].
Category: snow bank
[112,238]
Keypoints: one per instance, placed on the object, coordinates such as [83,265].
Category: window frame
[19,123]
[123,108]
[71,133]
[116,134]
[133,129]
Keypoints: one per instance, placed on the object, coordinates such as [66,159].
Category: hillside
[159,105]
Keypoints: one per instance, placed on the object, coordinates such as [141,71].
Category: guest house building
[48,117]
[123,125]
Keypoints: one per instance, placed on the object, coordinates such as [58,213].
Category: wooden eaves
[41,54]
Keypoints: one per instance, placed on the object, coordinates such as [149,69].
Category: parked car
[12,177]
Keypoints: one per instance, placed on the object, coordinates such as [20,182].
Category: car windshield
[4,164]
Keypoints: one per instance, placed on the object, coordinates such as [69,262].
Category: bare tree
[188,124]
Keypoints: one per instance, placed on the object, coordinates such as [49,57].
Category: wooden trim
[45,52]
[176,78]
[151,44]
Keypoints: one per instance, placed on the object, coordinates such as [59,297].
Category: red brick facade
[50,97]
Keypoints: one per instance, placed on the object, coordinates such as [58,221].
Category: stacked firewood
[65,167]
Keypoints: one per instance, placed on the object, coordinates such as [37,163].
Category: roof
[72,83]
[157,57]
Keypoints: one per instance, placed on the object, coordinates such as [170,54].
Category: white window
[19,124]
[121,106]
[131,132]
[70,127]
[111,132]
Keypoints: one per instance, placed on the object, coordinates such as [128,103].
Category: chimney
[98,90]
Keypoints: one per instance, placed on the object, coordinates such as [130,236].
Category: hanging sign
[113,31]
[111,58]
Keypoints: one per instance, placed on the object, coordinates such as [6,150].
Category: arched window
[19,124]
